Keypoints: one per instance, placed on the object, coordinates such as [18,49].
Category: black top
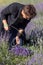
[12,14]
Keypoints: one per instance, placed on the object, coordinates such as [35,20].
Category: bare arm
[10,10]
[3,17]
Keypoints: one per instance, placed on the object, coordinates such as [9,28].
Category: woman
[15,18]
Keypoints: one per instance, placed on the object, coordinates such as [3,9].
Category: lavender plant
[21,51]
[7,58]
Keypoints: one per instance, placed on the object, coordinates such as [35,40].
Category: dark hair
[30,10]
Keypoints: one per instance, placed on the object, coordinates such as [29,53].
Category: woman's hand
[17,40]
[20,31]
[5,25]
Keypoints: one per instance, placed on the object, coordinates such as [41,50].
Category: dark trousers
[13,33]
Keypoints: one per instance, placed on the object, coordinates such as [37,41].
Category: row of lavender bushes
[9,58]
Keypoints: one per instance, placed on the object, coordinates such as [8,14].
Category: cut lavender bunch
[21,51]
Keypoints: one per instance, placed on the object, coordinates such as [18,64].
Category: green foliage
[6,58]
[6,2]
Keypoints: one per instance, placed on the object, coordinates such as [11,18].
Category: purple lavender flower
[21,51]
[39,7]
[31,61]
[37,58]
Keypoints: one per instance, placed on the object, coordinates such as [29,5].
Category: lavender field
[32,52]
